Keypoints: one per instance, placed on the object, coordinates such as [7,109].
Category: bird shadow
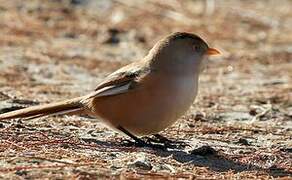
[204,156]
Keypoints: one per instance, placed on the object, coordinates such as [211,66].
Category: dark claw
[169,143]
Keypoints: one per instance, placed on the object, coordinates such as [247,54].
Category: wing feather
[122,80]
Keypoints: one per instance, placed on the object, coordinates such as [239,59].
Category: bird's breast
[171,97]
[182,92]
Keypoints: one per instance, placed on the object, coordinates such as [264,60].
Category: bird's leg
[139,141]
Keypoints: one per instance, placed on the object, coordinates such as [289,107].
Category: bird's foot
[159,139]
[140,142]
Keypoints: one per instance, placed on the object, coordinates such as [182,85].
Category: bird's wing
[122,80]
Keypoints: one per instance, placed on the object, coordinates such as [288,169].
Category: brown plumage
[144,97]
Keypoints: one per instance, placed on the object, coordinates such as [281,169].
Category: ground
[239,127]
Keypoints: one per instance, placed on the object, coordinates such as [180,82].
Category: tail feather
[70,105]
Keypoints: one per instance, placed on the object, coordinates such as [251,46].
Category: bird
[144,97]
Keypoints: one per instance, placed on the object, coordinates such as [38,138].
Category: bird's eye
[196,47]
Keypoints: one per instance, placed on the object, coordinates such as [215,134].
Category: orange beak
[212,52]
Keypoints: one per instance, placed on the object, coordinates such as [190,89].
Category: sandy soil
[239,127]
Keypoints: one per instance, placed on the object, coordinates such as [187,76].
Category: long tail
[62,107]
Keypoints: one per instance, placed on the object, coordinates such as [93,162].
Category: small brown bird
[144,97]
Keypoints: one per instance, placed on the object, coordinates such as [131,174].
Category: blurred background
[56,49]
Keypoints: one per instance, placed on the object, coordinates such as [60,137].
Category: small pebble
[141,163]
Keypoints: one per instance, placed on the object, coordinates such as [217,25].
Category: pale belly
[147,109]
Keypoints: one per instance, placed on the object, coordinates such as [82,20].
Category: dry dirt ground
[238,128]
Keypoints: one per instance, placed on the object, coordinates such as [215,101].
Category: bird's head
[181,49]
